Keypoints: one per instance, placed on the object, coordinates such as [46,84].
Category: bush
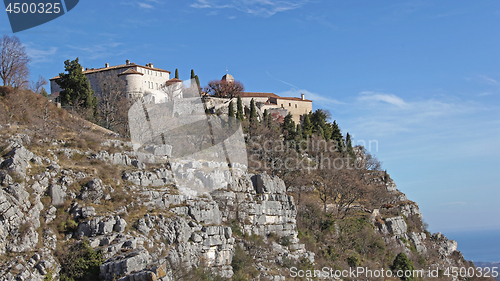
[79,262]
[243,265]
[402,263]
[353,261]
[285,241]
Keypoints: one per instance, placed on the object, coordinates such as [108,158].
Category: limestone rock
[396,225]
[18,160]
[58,194]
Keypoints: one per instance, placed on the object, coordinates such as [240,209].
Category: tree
[336,136]
[239,109]
[177,73]
[307,126]
[403,264]
[195,77]
[253,111]
[288,127]
[340,186]
[298,132]
[230,112]
[37,87]
[349,148]
[113,105]
[76,88]
[224,89]
[14,61]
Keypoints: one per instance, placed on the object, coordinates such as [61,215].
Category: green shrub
[285,241]
[235,227]
[353,261]
[79,262]
[243,265]
[402,263]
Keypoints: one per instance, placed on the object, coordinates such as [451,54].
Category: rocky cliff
[54,195]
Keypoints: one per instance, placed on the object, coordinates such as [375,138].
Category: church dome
[228,78]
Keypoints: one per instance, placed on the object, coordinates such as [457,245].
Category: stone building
[139,79]
[270,101]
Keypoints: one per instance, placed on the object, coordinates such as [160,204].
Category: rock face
[396,225]
[148,227]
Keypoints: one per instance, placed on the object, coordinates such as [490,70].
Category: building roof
[294,99]
[95,70]
[130,71]
[258,95]
[173,81]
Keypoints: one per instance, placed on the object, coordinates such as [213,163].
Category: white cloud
[264,8]
[326,102]
[145,6]
[382,97]
[488,80]
[38,55]
[96,51]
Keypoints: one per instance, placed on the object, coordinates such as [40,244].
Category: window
[157,86]
[126,82]
[295,105]
[281,105]
[290,104]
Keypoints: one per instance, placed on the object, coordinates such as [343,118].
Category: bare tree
[224,89]
[112,104]
[36,87]
[14,61]
[340,187]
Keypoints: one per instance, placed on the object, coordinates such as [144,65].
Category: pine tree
[176,73]
[336,136]
[231,110]
[197,80]
[264,117]
[288,127]
[253,111]
[298,133]
[348,143]
[404,264]
[239,109]
[192,74]
[307,126]
[76,88]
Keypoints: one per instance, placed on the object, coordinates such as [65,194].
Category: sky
[419,80]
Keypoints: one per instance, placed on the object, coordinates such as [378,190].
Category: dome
[228,78]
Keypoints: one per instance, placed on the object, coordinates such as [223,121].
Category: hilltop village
[140,80]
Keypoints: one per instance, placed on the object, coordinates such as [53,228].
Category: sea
[478,245]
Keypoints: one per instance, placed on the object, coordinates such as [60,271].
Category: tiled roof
[173,81]
[94,70]
[294,99]
[130,71]
[258,95]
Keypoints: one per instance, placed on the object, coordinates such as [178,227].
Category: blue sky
[422,78]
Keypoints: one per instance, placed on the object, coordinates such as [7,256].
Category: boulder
[58,194]
[18,160]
